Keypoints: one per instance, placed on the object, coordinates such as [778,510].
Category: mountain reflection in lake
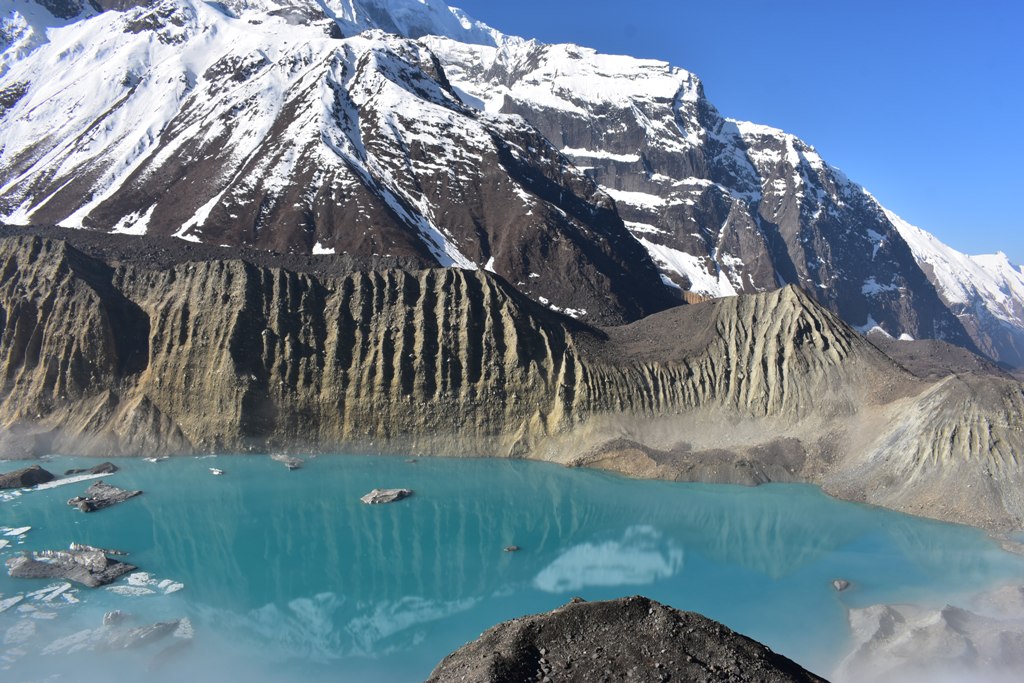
[288,575]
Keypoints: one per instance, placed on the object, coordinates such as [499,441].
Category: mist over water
[289,577]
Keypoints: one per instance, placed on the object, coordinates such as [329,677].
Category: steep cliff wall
[124,358]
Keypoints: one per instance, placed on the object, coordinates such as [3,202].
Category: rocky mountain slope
[121,357]
[619,639]
[607,187]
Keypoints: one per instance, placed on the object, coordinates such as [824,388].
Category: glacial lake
[287,576]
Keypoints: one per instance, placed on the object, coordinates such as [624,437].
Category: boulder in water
[90,568]
[379,496]
[101,495]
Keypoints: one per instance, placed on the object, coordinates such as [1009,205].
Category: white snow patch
[638,199]
[634,226]
[136,223]
[696,269]
[600,154]
[320,250]
[871,287]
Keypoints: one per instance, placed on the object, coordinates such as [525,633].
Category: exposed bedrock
[122,358]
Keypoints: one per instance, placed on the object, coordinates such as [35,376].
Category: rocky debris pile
[380,496]
[23,478]
[82,564]
[291,462]
[633,638]
[895,643]
[102,468]
[101,495]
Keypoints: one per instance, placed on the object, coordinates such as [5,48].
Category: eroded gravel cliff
[109,356]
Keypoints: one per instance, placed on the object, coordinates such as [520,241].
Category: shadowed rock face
[130,358]
[28,476]
[632,638]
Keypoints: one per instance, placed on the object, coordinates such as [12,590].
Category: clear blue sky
[922,102]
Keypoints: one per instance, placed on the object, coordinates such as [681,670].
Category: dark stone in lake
[634,638]
[102,468]
[100,495]
[89,568]
[23,478]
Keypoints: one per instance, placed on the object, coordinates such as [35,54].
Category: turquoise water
[287,576]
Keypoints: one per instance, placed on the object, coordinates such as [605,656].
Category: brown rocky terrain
[104,352]
[627,639]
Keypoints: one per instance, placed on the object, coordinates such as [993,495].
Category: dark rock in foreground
[380,496]
[90,568]
[633,638]
[100,495]
[102,468]
[23,478]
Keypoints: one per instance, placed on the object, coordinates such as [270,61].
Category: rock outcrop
[102,468]
[381,496]
[90,568]
[630,638]
[122,357]
[101,495]
[27,476]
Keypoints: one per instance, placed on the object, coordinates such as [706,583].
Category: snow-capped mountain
[986,292]
[722,206]
[238,126]
[603,186]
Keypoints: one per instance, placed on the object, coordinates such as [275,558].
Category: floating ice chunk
[49,593]
[17,531]
[143,583]
[10,602]
[140,579]
[131,591]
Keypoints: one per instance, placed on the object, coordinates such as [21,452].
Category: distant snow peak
[989,280]
[409,18]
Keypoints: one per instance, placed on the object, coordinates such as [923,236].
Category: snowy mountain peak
[409,18]
[406,18]
[381,130]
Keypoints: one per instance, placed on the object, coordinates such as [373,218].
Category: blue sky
[920,102]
